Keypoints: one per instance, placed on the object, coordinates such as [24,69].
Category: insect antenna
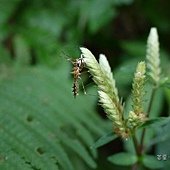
[82,85]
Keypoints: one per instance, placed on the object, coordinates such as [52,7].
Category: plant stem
[139,147]
[148,113]
[135,166]
[137,150]
[136,145]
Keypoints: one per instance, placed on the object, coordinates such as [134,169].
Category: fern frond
[41,125]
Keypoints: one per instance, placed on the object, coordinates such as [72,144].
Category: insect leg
[82,85]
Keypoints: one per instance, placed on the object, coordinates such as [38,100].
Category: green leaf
[161,137]
[167,85]
[157,102]
[139,49]
[163,145]
[97,18]
[123,158]
[156,122]
[42,126]
[167,93]
[124,73]
[104,140]
[152,162]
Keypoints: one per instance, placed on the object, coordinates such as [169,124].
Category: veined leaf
[104,140]
[159,138]
[160,121]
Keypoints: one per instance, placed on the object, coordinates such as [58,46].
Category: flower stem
[139,147]
[136,145]
[137,150]
[148,113]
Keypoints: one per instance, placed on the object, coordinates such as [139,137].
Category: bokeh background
[37,37]
[118,28]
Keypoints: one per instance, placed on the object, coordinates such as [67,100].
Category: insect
[78,66]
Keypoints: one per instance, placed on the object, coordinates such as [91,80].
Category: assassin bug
[78,65]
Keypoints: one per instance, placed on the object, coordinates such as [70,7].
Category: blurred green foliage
[47,28]
[42,32]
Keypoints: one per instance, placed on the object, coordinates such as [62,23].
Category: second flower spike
[137,116]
